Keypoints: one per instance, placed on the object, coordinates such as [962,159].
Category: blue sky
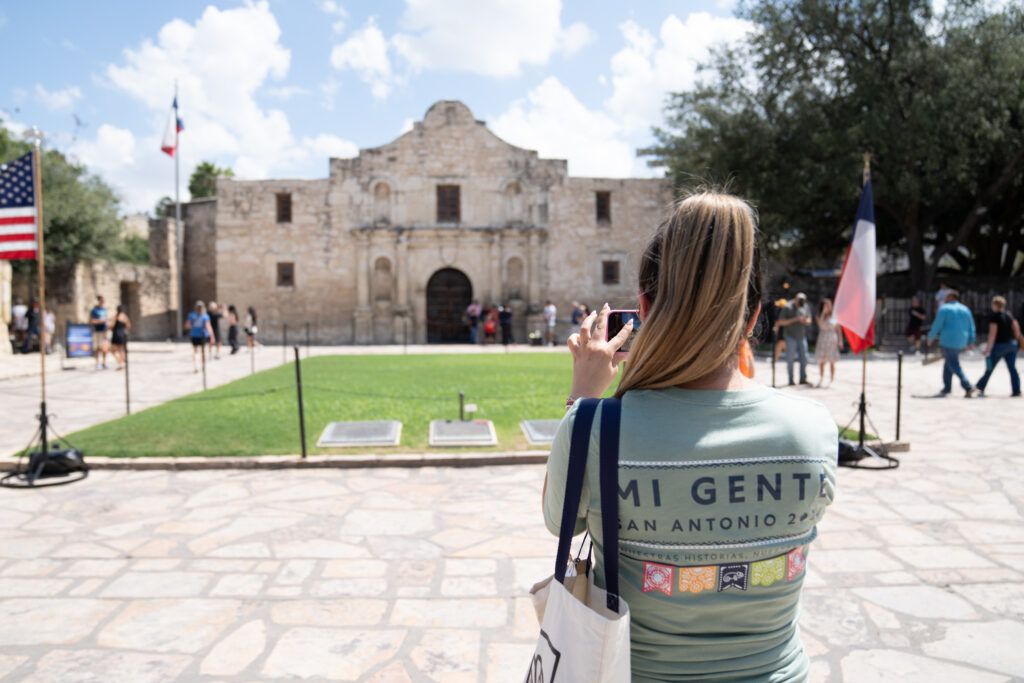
[274,88]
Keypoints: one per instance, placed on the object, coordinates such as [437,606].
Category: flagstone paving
[391,575]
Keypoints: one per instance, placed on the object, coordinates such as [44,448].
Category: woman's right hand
[595,361]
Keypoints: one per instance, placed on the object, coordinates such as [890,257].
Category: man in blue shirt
[98,320]
[954,326]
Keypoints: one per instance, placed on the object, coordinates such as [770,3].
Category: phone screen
[617,320]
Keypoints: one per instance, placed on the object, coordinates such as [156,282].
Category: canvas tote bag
[584,630]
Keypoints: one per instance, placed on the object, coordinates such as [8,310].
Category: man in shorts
[98,320]
[913,331]
[550,314]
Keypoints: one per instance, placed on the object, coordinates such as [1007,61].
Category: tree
[80,212]
[938,102]
[164,207]
[203,182]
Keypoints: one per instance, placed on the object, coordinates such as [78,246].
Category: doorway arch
[448,294]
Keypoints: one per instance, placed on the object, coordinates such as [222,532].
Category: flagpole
[864,353]
[41,267]
[177,214]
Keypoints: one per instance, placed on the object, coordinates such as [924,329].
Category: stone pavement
[422,574]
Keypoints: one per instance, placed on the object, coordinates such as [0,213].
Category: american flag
[18,239]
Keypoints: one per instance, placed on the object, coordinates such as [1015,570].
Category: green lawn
[258,415]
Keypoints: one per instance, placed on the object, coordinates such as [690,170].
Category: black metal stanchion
[252,359]
[899,390]
[298,387]
[462,406]
[202,355]
[127,386]
[307,340]
[284,344]
[405,334]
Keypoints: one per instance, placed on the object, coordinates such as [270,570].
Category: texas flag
[174,126]
[855,299]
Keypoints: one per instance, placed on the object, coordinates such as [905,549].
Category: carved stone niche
[382,204]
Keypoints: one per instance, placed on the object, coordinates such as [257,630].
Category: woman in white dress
[830,341]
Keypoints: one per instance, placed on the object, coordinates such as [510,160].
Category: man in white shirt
[550,313]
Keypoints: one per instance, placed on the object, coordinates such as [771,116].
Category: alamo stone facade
[397,241]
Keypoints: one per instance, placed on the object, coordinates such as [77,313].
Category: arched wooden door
[448,294]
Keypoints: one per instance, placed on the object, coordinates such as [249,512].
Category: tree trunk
[920,278]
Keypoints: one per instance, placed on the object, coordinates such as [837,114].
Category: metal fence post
[298,386]
[284,344]
[202,354]
[899,390]
[462,406]
[307,340]
[127,387]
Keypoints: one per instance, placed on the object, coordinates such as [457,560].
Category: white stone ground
[422,574]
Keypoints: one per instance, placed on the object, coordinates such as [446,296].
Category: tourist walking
[250,330]
[215,315]
[954,327]
[830,341]
[233,328]
[18,322]
[473,319]
[1003,333]
[49,327]
[119,336]
[505,320]
[98,320]
[794,318]
[717,601]
[550,317]
[33,325]
[199,331]
[917,318]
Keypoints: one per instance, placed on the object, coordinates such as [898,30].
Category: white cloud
[68,45]
[366,53]
[17,128]
[325,146]
[649,68]
[556,124]
[488,37]
[287,92]
[58,99]
[335,10]
[221,62]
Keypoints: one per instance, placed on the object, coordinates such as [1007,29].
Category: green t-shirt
[719,495]
[793,330]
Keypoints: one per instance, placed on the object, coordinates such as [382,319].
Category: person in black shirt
[505,320]
[1003,333]
[913,331]
[33,317]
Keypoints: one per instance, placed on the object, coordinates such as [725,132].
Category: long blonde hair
[702,276]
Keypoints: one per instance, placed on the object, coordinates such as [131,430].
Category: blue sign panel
[78,341]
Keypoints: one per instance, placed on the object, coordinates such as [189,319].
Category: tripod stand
[851,456]
[58,466]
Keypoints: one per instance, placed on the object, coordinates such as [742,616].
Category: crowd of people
[204,330]
[30,327]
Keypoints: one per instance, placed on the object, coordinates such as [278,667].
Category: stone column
[363,316]
[494,264]
[403,323]
[533,272]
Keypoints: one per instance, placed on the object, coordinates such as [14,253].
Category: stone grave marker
[352,434]
[539,432]
[462,433]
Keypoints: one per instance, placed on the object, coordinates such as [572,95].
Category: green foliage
[203,182]
[937,101]
[133,249]
[164,207]
[258,415]
[80,212]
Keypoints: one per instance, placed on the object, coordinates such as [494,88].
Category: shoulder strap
[578,449]
[609,474]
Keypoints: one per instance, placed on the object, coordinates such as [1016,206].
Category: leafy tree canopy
[937,101]
[203,182]
[80,212]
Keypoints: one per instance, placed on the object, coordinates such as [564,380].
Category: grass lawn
[258,415]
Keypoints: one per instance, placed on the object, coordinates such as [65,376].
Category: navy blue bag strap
[579,446]
[611,411]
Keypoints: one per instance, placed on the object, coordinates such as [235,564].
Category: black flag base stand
[852,454]
[50,465]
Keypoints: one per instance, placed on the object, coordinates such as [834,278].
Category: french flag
[855,299]
[174,126]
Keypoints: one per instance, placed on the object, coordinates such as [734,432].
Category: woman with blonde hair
[721,480]
[830,341]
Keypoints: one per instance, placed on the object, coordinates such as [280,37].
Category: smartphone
[617,320]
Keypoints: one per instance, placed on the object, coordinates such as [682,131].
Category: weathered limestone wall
[366,241]
[143,290]
[200,253]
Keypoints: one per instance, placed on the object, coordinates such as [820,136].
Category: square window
[284,207]
[609,272]
[285,274]
[603,201]
[448,204]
